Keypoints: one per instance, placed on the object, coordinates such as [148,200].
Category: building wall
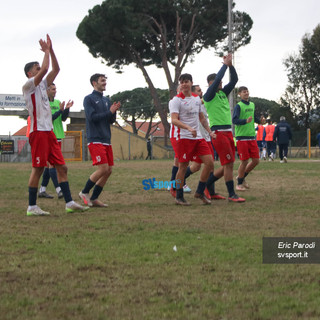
[126,145]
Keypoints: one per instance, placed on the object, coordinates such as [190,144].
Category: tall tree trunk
[157,103]
[149,128]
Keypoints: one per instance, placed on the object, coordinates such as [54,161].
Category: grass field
[119,263]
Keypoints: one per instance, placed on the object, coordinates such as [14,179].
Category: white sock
[31,207]
[43,189]
[58,189]
[70,203]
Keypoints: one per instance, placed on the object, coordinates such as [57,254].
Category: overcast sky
[278,28]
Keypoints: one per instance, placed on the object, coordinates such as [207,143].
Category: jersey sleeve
[29,86]
[174,105]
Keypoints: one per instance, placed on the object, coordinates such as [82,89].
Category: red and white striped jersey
[174,131]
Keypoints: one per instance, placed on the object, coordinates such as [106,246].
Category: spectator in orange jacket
[268,138]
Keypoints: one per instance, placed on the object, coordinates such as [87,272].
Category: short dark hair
[242,88]
[193,87]
[28,67]
[211,77]
[185,76]
[96,76]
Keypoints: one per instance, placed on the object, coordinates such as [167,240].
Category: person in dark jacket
[282,134]
[100,114]
[318,138]
[149,149]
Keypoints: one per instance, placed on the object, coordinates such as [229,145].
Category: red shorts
[224,145]
[248,149]
[198,160]
[45,148]
[187,148]
[174,146]
[101,154]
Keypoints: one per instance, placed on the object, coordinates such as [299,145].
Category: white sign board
[12,101]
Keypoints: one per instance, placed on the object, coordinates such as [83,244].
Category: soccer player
[59,114]
[318,138]
[259,137]
[44,144]
[218,109]
[282,134]
[185,110]
[100,114]
[268,137]
[174,137]
[196,161]
[243,119]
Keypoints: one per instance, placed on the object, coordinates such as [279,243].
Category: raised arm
[233,81]
[212,90]
[45,63]
[55,66]
[227,60]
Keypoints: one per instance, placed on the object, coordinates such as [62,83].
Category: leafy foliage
[165,33]
[310,52]
[120,31]
[303,70]
[273,110]
[138,104]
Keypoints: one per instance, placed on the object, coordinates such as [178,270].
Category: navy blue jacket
[98,117]
[282,133]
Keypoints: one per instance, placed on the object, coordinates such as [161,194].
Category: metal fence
[21,150]
[72,148]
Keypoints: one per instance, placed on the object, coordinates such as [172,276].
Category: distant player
[268,137]
[259,137]
[283,134]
